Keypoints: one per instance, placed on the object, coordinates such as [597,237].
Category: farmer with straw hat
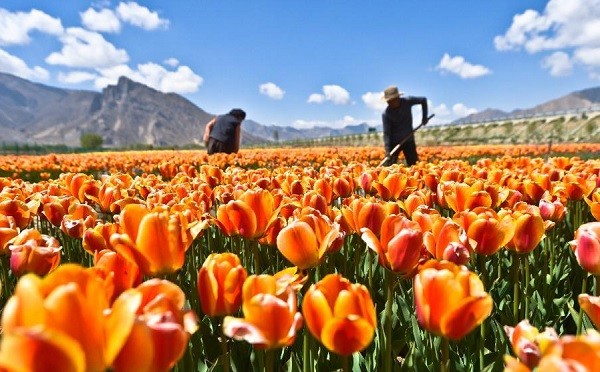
[398,125]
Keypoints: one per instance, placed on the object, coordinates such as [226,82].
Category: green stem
[484,280]
[525,262]
[445,364]
[306,357]
[580,317]
[256,253]
[516,290]
[270,359]
[345,363]
[390,279]
[224,350]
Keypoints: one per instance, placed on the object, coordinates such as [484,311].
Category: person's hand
[425,121]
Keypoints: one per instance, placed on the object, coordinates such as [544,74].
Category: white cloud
[104,20]
[173,62]
[563,24]
[183,80]
[332,93]
[374,101]
[339,123]
[271,90]
[76,77]
[558,63]
[458,66]
[316,98]
[140,16]
[15,27]
[82,48]
[461,110]
[588,56]
[16,66]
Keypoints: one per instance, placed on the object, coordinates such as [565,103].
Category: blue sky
[305,63]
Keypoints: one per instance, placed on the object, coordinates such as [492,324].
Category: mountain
[131,113]
[274,133]
[575,100]
[124,114]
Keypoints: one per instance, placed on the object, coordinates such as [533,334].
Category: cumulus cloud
[140,16]
[458,66]
[271,90]
[83,48]
[104,20]
[332,93]
[562,26]
[374,101]
[461,110]
[15,27]
[76,77]
[16,66]
[173,62]
[339,123]
[559,64]
[182,80]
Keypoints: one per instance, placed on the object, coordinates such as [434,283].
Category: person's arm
[208,128]
[420,101]
[237,138]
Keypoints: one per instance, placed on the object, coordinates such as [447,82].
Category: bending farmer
[398,125]
[222,133]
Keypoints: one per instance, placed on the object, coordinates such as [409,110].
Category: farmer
[222,133]
[398,125]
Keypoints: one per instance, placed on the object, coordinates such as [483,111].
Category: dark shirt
[398,122]
[224,129]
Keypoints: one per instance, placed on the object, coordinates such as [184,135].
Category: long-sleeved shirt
[398,122]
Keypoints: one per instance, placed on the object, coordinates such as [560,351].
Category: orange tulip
[594,203]
[249,216]
[97,238]
[591,306]
[487,231]
[73,303]
[125,274]
[552,209]
[340,314]
[450,300]
[54,208]
[399,247]
[8,230]
[40,349]
[33,252]
[447,241]
[577,186]
[160,335]
[155,239]
[19,211]
[305,241]
[363,213]
[528,343]
[461,196]
[573,353]
[220,281]
[586,246]
[271,317]
[529,231]
[78,218]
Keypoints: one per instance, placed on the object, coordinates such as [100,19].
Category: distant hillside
[580,99]
[131,113]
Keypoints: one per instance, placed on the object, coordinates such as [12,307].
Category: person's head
[392,95]
[238,114]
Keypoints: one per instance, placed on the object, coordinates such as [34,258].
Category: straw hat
[391,92]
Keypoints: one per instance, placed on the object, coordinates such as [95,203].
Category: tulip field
[477,258]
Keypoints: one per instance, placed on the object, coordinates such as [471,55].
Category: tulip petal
[466,316]
[38,349]
[345,336]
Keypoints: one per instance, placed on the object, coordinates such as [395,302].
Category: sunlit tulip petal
[587,247]
[40,349]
